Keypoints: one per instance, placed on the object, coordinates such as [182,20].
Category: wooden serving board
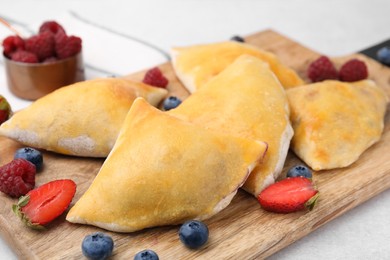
[241,231]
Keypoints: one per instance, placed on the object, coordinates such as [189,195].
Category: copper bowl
[34,80]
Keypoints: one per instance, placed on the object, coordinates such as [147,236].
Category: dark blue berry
[383,55]
[193,234]
[171,102]
[299,170]
[237,38]
[146,254]
[32,155]
[97,246]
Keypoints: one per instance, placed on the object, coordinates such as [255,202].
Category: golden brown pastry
[197,64]
[245,100]
[82,119]
[163,171]
[335,122]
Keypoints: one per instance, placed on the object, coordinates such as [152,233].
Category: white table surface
[332,27]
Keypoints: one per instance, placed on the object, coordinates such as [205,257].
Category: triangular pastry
[245,100]
[335,122]
[195,65]
[163,171]
[82,119]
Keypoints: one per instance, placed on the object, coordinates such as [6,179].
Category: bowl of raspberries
[42,63]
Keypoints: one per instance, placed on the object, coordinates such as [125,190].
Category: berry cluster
[50,44]
[323,68]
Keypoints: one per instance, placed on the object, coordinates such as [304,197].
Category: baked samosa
[195,65]
[335,122]
[81,119]
[245,100]
[164,171]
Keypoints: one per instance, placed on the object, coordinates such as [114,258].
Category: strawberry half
[45,203]
[289,195]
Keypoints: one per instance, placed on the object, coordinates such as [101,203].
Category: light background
[331,27]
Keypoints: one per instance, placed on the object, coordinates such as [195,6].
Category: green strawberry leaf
[312,201]
[17,209]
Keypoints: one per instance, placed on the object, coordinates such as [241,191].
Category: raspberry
[12,44]
[322,69]
[67,46]
[24,56]
[52,27]
[17,177]
[155,78]
[42,45]
[353,70]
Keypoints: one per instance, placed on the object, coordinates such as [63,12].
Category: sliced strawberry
[289,195]
[45,203]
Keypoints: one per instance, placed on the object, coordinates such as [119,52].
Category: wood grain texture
[242,230]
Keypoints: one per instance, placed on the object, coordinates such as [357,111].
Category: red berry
[67,46]
[353,70]
[45,203]
[24,56]
[154,77]
[52,27]
[322,69]
[289,195]
[5,110]
[12,44]
[17,177]
[42,45]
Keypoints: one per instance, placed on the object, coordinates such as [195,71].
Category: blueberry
[97,246]
[146,254]
[193,234]
[383,55]
[237,38]
[299,170]
[171,102]
[32,155]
